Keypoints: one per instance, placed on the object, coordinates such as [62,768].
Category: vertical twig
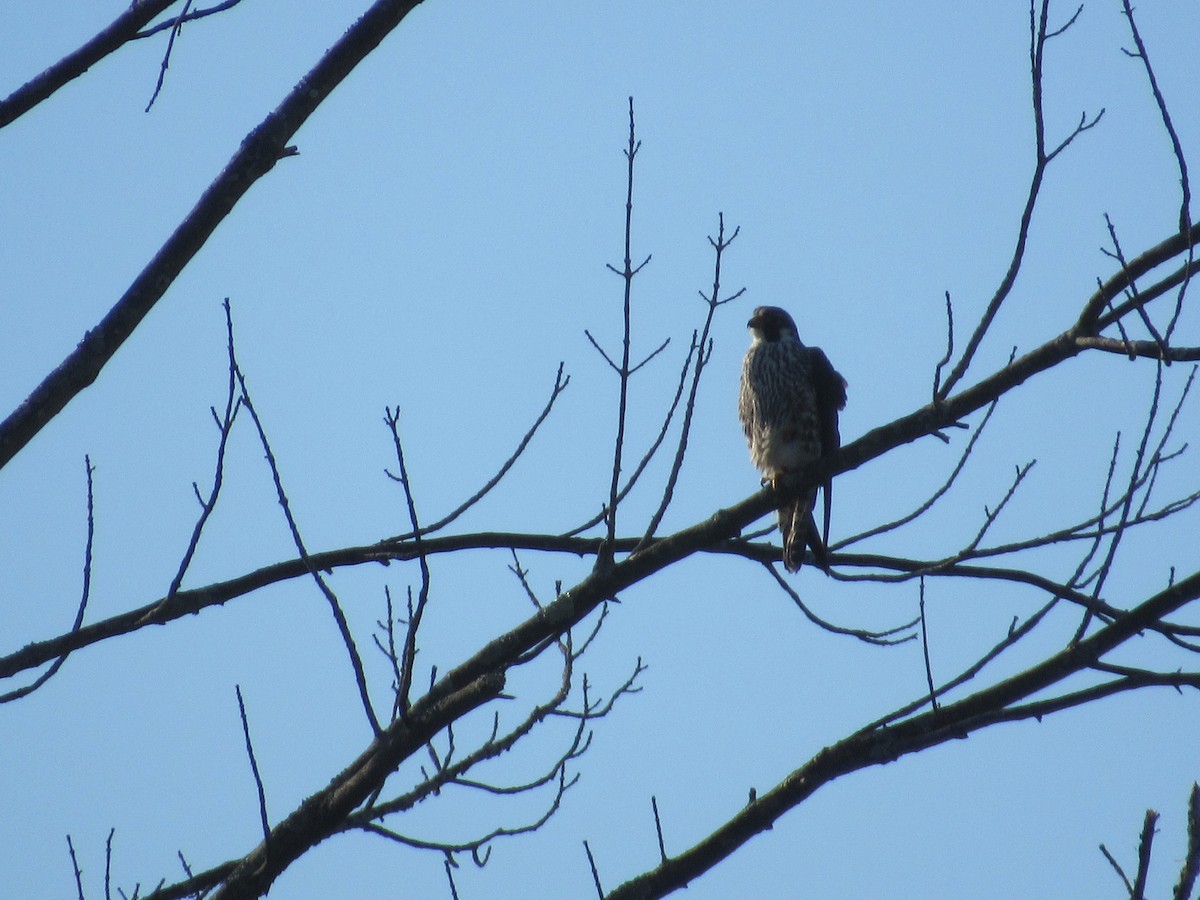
[591,863]
[1191,862]
[662,849]
[390,650]
[79,874]
[86,592]
[409,653]
[925,650]
[224,426]
[1185,206]
[262,796]
[1122,524]
[108,864]
[945,360]
[1144,845]
[166,60]
[703,353]
[1039,33]
[623,372]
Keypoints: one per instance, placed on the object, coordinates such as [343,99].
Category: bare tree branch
[175,21]
[875,746]
[258,784]
[20,692]
[122,30]
[339,616]
[265,145]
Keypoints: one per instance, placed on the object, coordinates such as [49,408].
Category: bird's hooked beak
[755,321]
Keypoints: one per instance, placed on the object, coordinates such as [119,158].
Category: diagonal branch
[123,29]
[264,146]
[874,745]
[339,616]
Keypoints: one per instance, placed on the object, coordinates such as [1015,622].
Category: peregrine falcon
[789,405]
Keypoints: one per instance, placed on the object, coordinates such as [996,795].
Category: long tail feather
[799,531]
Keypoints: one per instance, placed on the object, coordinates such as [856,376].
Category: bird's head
[770,323]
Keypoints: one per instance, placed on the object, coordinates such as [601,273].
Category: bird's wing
[830,390]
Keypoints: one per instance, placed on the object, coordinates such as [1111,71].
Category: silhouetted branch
[1160,101]
[945,360]
[1038,35]
[258,784]
[166,60]
[409,652]
[75,866]
[560,385]
[325,812]
[662,849]
[175,21]
[1191,862]
[256,155]
[224,424]
[1118,254]
[595,874]
[123,29]
[1144,846]
[875,745]
[654,445]
[339,616]
[933,498]
[623,371]
[704,349]
[879,638]
[86,592]
[933,703]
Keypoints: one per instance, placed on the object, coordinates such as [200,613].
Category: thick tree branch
[877,746]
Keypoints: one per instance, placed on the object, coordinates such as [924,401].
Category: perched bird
[789,405]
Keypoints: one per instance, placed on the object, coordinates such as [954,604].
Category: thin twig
[86,592]
[933,703]
[878,638]
[560,385]
[652,450]
[703,353]
[592,865]
[79,874]
[934,497]
[945,360]
[627,274]
[1185,204]
[258,782]
[409,653]
[450,877]
[166,60]
[1112,861]
[185,16]
[1038,35]
[335,606]
[1122,525]
[1119,255]
[108,864]
[224,427]
[662,849]
[1191,862]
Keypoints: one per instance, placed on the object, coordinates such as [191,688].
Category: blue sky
[440,243]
